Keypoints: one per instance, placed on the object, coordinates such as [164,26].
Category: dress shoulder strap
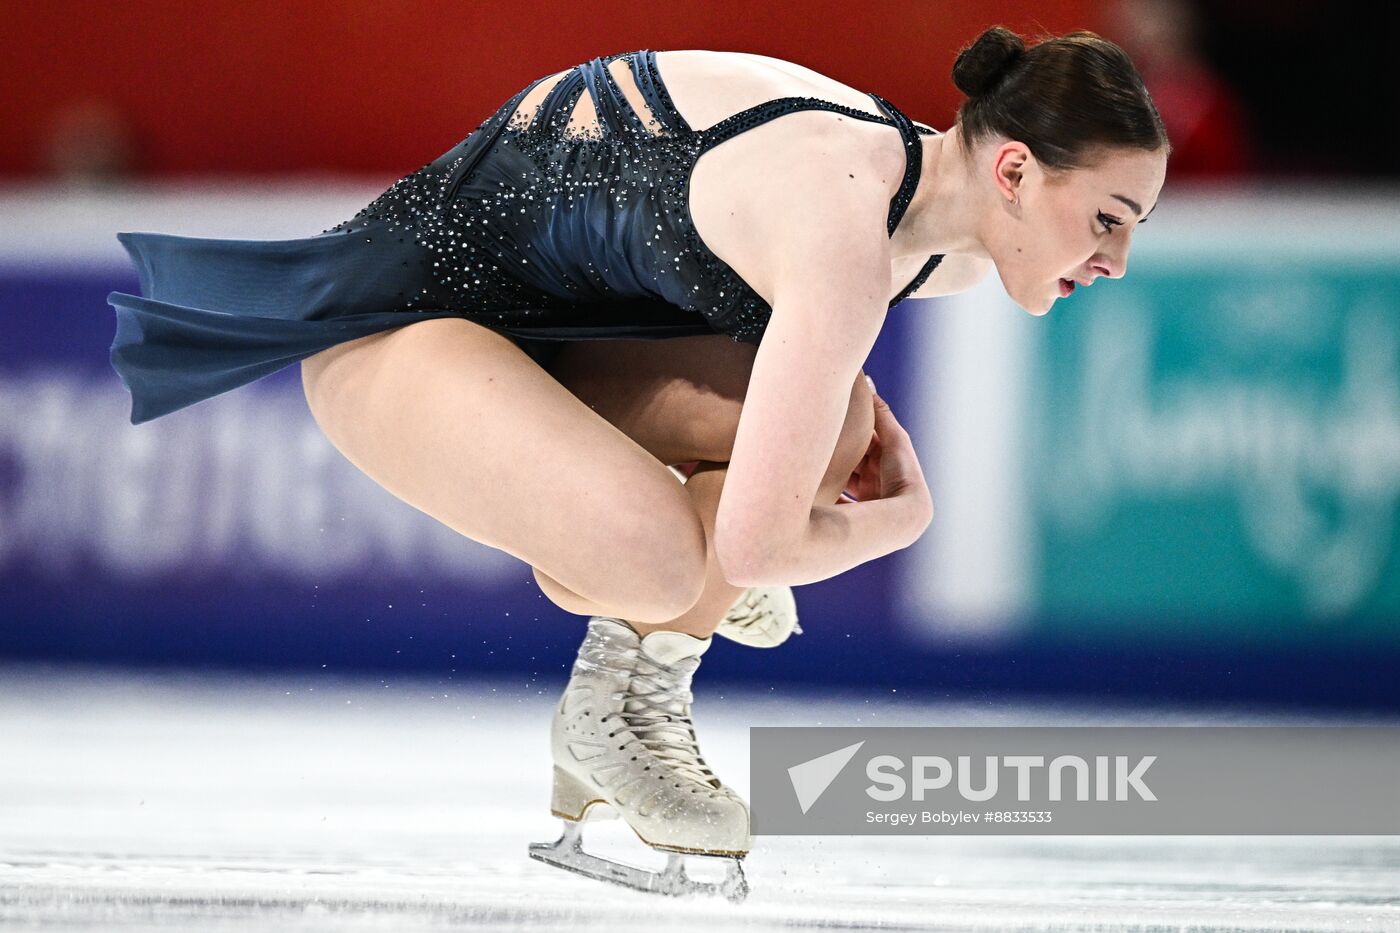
[913,161]
[608,101]
[924,272]
[614,110]
[616,115]
[757,115]
[648,78]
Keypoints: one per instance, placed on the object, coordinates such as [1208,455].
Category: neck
[942,216]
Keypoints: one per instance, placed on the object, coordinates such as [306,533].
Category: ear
[1009,165]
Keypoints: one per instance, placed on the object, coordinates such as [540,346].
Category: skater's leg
[681,399]
[705,485]
[626,721]
[457,421]
[720,594]
[678,398]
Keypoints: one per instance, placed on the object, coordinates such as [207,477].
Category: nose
[1113,263]
[1112,267]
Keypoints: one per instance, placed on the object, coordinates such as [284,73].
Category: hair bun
[981,66]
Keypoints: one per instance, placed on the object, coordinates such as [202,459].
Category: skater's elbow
[749,557]
[745,574]
[737,562]
[740,571]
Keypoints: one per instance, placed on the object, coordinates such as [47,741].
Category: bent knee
[662,574]
[661,597]
[649,568]
[649,599]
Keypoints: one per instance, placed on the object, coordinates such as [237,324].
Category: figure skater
[482,340]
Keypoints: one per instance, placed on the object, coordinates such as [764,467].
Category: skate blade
[567,853]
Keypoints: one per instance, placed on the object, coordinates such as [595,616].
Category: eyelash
[1108,222]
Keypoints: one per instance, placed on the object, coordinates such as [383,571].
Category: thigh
[680,398]
[457,421]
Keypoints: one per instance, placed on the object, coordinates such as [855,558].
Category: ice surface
[318,803]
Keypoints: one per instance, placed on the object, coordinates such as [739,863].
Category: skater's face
[1044,226]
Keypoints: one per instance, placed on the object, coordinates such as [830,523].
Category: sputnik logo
[810,779]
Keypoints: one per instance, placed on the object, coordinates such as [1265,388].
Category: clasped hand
[890,469]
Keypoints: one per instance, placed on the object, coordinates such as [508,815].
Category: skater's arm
[830,300]
[846,533]
[839,537]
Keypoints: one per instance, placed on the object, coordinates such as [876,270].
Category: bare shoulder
[955,274]
[707,86]
[810,186]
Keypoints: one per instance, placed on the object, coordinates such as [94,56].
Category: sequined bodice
[527,220]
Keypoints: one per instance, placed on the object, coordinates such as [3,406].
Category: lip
[1066,287]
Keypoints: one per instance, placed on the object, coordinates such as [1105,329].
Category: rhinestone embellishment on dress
[535,221]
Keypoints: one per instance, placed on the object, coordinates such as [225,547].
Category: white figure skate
[762,616]
[622,736]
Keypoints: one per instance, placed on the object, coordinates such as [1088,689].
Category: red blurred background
[99,91]
[268,86]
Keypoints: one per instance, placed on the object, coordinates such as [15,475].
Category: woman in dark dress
[760,216]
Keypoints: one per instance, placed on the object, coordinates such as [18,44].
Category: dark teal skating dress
[521,228]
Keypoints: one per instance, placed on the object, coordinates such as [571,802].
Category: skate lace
[656,710]
[753,611]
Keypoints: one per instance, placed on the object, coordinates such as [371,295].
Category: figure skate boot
[762,617]
[622,736]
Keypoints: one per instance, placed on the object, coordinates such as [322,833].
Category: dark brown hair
[1064,97]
